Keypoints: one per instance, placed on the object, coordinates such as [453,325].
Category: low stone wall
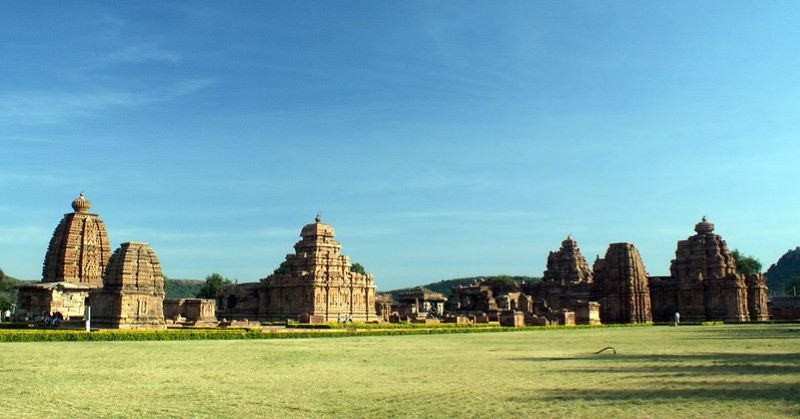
[190,309]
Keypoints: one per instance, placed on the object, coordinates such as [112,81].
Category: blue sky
[440,139]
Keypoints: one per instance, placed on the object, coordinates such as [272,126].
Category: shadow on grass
[717,363]
[675,391]
[688,377]
[771,333]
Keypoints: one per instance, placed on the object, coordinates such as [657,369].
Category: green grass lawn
[692,371]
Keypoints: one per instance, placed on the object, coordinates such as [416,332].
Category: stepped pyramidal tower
[705,285]
[567,285]
[317,281]
[79,249]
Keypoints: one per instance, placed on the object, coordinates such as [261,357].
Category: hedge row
[402,325]
[38,335]
[55,335]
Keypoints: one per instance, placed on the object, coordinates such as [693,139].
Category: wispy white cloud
[465,215]
[140,54]
[52,107]
[47,107]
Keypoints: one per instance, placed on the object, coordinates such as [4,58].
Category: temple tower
[567,285]
[567,266]
[79,249]
[621,286]
[132,295]
[317,281]
[708,287]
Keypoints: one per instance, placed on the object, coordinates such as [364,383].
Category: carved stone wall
[79,249]
[240,301]
[621,286]
[383,306]
[132,295]
[35,301]
[421,302]
[190,309]
[757,297]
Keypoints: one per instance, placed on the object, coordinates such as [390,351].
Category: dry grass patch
[733,371]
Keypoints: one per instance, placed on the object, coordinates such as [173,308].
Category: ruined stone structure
[621,286]
[79,249]
[132,295]
[421,302]
[785,308]
[241,302]
[383,306]
[474,298]
[35,301]
[704,284]
[190,310]
[567,286]
[757,297]
[314,282]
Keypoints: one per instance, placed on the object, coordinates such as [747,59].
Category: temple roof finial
[81,204]
[318,218]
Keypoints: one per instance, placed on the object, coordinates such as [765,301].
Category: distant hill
[784,273]
[182,288]
[446,286]
[8,290]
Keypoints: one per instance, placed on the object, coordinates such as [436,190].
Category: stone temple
[75,262]
[132,295]
[621,286]
[704,284]
[567,286]
[79,249]
[125,289]
[313,284]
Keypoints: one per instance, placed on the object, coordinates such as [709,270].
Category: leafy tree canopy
[358,268]
[746,264]
[212,285]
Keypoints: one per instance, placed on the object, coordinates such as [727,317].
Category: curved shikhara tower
[79,249]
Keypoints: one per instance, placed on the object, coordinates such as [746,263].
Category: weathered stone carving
[132,295]
[621,286]
[35,301]
[383,306]
[314,281]
[190,310]
[704,284]
[421,302]
[567,285]
[79,249]
[757,297]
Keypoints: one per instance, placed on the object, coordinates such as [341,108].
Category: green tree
[502,283]
[358,268]
[746,264]
[213,284]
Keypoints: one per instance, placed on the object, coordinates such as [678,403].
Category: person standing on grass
[676,319]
